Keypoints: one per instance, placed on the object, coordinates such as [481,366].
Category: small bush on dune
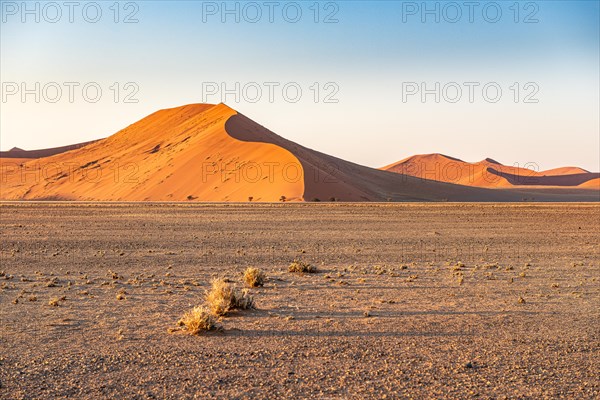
[254,277]
[197,320]
[299,266]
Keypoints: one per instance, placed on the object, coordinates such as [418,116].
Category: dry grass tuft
[299,266]
[254,277]
[197,320]
[52,282]
[243,300]
[222,297]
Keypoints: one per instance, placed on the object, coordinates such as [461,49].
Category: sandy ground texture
[410,301]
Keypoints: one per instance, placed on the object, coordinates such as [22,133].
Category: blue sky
[364,58]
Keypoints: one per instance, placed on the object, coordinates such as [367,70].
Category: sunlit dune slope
[591,184]
[564,171]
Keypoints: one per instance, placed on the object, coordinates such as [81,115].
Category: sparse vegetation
[222,297]
[197,320]
[254,277]
[242,300]
[303,267]
[165,283]
[52,282]
[54,302]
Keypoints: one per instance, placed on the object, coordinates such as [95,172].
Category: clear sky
[361,67]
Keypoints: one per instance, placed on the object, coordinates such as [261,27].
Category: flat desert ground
[410,301]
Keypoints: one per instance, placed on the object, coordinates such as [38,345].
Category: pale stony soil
[386,316]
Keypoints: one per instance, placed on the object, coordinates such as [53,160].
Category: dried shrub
[300,266]
[197,320]
[254,277]
[222,297]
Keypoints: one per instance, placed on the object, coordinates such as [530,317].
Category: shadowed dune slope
[327,177]
[204,152]
[330,177]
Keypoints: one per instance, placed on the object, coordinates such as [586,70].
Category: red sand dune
[591,184]
[487,173]
[207,152]
[565,171]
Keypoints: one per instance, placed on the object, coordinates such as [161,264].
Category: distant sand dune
[29,154]
[592,184]
[565,171]
[487,173]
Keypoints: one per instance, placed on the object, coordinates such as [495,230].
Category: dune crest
[565,171]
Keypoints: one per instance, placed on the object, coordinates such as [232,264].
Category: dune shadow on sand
[546,180]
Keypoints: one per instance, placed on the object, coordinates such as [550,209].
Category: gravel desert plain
[444,300]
